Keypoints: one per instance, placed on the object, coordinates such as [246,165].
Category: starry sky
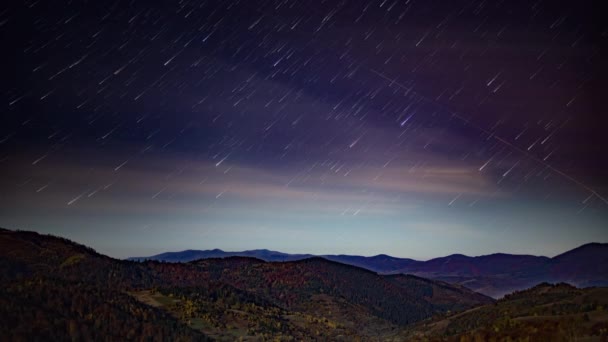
[411,128]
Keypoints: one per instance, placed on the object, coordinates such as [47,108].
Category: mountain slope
[66,290]
[54,289]
[545,312]
[498,274]
[379,263]
[191,255]
[494,275]
[443,295]
[593,272]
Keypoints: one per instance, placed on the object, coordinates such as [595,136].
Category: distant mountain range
[494,275]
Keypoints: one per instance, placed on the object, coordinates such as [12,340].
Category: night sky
[410,128]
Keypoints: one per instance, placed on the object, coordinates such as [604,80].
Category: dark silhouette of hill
[49,309]
[191,255]
[440,293]
[498,274]
[494,275]
[582,266]
[55,289]
[545,312]
[381,263]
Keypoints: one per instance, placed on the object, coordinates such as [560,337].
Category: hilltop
[493,275]
[60,289]
[546,312]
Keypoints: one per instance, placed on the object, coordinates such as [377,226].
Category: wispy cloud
[153,183]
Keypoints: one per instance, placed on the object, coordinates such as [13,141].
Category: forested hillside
[546,312]
[56,289]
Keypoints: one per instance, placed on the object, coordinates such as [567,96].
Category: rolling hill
[494,275]
[56,289]
[546,312]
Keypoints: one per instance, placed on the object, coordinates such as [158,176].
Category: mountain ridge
[494,274]
[218,298]
[219,250]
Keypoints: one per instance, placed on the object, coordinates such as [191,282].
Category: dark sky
[411,128]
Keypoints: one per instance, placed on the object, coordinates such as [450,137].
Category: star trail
[410,128]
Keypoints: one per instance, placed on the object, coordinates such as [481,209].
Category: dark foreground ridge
[55,289]
[494,275]
[546,312]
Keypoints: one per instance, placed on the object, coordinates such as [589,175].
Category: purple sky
[411,128]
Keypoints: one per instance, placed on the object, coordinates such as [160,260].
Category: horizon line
[367,256]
